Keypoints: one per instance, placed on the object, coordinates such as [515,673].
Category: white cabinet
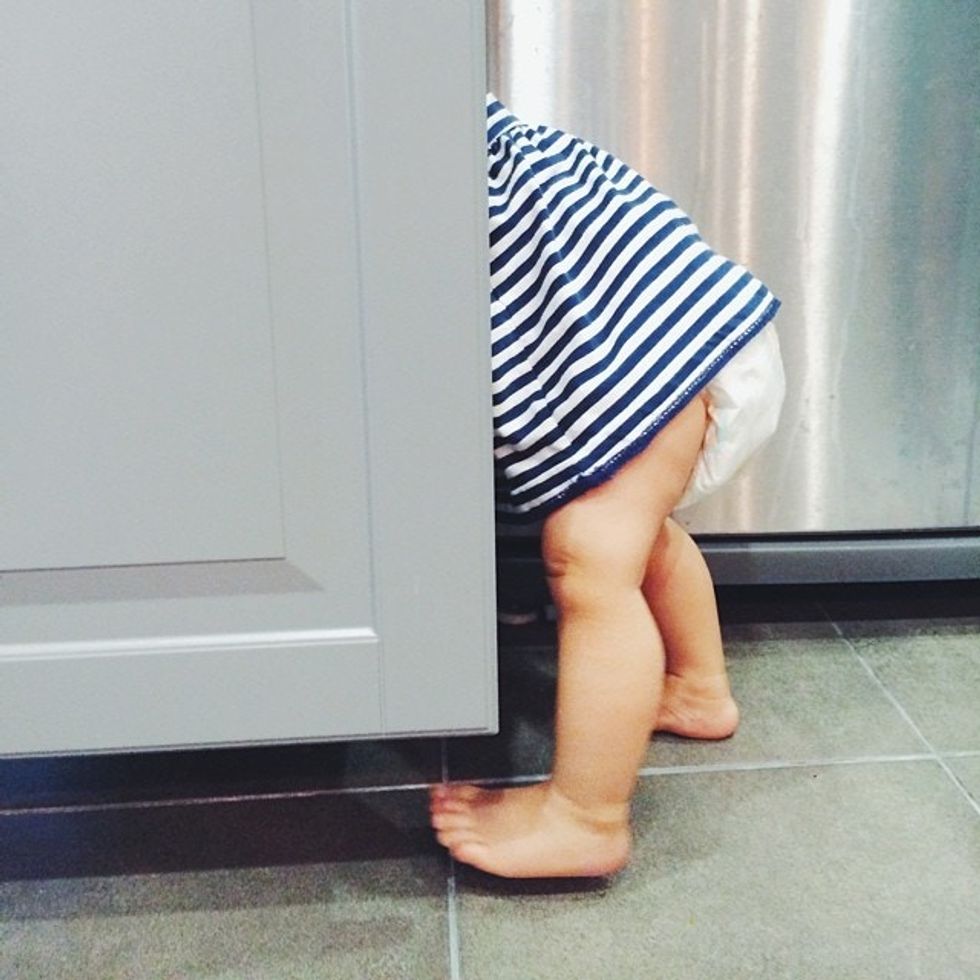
[244,379]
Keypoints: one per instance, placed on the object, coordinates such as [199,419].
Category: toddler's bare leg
[697,700]
[596,550]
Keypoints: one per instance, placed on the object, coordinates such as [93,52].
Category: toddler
[621,390]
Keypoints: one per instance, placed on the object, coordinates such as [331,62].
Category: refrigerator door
[833,146]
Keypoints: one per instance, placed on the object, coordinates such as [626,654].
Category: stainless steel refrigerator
[833,146]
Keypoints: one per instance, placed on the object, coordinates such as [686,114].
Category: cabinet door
[245,430]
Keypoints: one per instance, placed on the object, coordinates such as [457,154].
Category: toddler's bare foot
[529,832]
[702,708]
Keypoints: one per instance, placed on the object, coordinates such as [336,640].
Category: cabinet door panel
[251,500]
[136,288]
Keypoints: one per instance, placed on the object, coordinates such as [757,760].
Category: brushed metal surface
[834,147]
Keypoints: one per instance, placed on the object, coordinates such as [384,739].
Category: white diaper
[745,398]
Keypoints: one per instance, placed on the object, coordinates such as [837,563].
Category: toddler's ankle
[698,707]
[601,817]
[699,684]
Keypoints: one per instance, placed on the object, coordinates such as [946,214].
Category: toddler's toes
[439,800]
[453,829]
[451,821]
[450,806]
[464,794]
[444,795]
[471,851]
[447,838]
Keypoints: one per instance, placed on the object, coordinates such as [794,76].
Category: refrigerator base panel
[877,558]
[789,560]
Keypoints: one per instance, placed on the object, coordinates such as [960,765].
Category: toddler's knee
[574,587]
[581,572]
[666,551]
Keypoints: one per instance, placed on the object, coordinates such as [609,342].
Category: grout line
[452,922]
[721,767]
[452,911]
[717,767]
[502,780]
[900,708]
[197,800]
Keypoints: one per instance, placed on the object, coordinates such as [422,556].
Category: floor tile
[936,678]
[113,778]
[340,886]
[801,699]
[848,871]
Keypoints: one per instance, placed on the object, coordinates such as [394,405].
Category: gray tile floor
[836,835]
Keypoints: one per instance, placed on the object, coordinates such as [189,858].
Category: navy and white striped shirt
[608,312]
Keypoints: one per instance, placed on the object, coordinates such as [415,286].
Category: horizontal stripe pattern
[608,312]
